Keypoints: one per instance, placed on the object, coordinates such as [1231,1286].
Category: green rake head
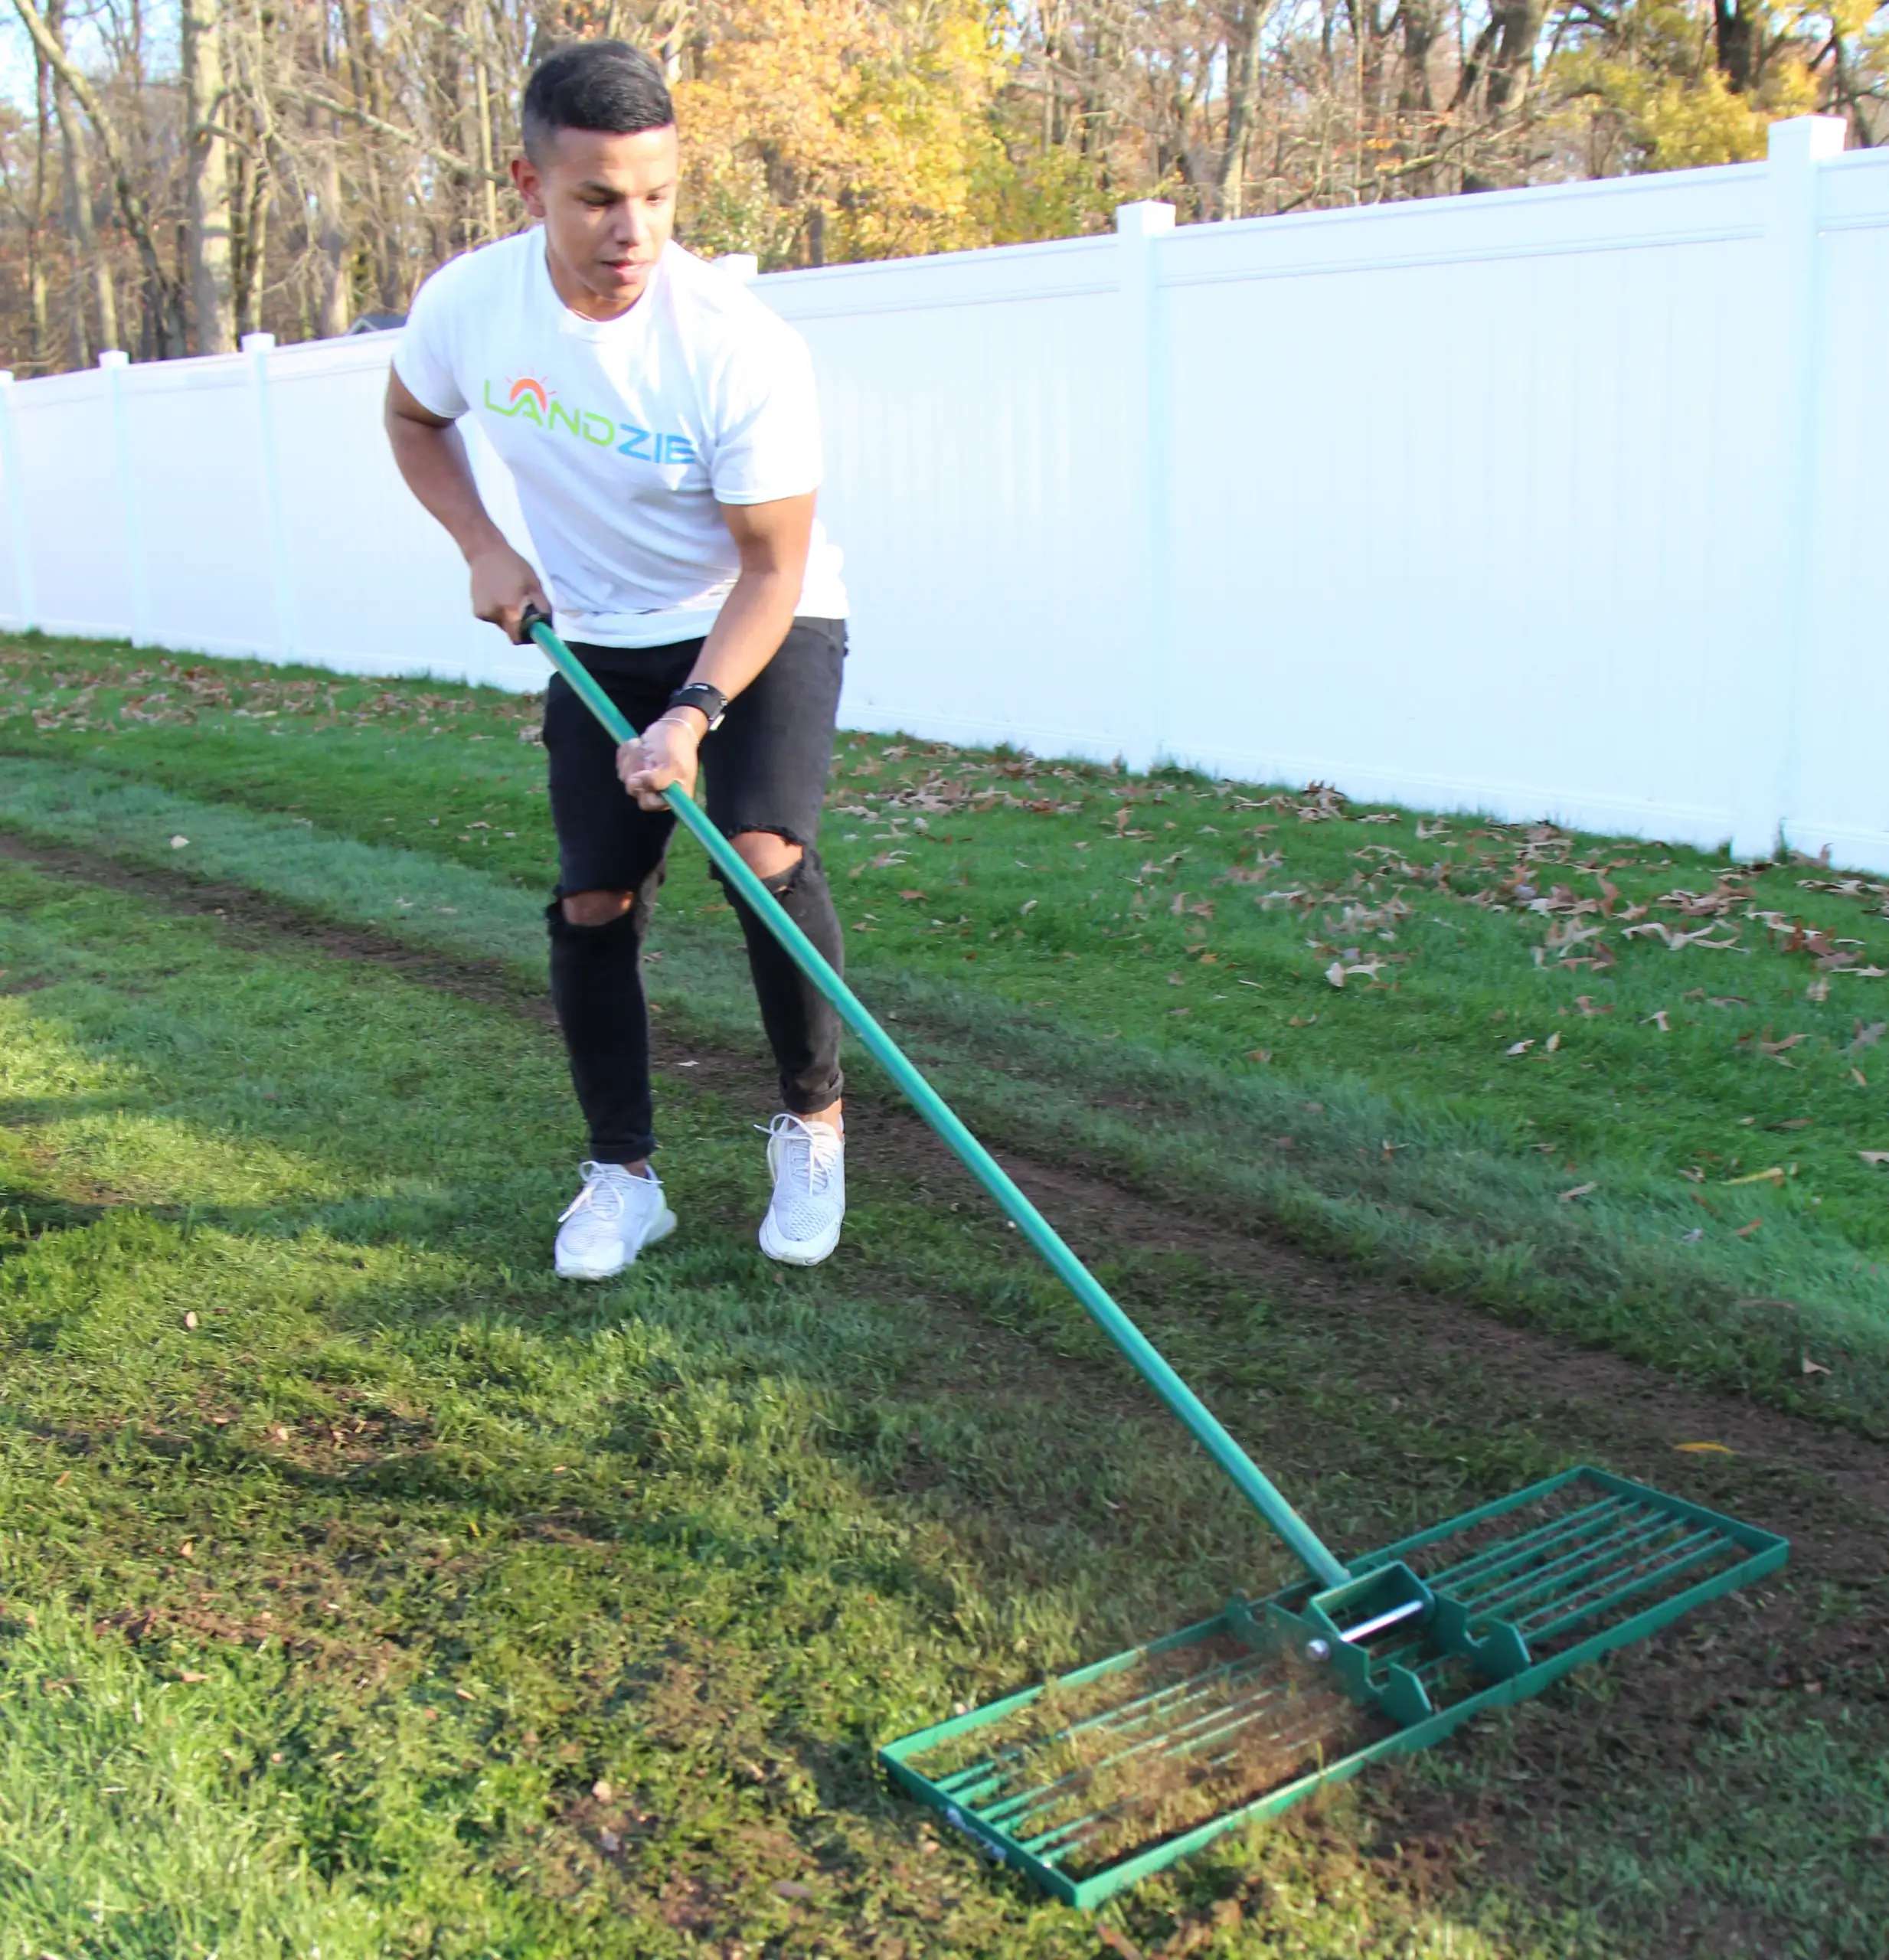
[1093,1781]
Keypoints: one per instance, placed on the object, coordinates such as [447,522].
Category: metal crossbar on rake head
[1092,1781]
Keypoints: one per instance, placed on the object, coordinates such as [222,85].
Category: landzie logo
[528,399]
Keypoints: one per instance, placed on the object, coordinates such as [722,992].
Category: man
[662,426]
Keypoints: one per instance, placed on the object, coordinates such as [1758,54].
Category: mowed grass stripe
[405,1576]
[1453,1204]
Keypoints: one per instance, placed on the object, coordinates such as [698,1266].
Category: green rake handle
[1254,1486]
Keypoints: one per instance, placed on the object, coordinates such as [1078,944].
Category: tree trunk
[484,111]
[207,182]
[37,321]
[1243,84]
[133,205]
[1511,69]
[91,261]
[249,240]
[332,306]
[1422,22]
[1735,40]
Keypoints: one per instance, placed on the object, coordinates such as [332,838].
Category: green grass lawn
[365,1590]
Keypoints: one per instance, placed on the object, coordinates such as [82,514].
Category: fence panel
[195,454]
[1470,477]
[375,585]
[1842,692]
[73,504]
[974,421]
[1560,502]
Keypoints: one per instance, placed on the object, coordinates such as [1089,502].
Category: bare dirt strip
[1629,1403]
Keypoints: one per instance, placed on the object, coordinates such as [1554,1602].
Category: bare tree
[306,159]
[207,179]
[134,204]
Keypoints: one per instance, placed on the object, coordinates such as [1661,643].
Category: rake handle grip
[1143,1356]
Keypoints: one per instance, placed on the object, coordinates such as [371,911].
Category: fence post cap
[1806,139]
[1142,219]
[113,357]
[258,343]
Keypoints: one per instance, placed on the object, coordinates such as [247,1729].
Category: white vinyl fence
[1564,503]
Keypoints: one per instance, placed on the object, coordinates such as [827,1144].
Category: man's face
[608,206]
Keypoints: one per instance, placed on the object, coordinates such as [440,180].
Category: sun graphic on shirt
[526,385]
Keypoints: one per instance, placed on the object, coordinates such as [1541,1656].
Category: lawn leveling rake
[1091,1782]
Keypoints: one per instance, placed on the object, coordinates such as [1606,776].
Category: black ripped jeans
[766,769]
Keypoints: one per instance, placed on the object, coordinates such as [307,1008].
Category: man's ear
[529,185]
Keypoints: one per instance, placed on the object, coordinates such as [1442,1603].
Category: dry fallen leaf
[179,843]
[1579,1190]
[190,1320]
[1518,1047]
[791,1888]
[1552,1042]
[1745,1231]
[1335,973]
[1878,1157]
[1779,1047]
[1258,1054]
[1657,1019]
[191,1675]
[1029,906]
[601,1791]
[610,1840]
[1118,1944]
[1705,1448]
[1774,1175]
[1811,1367]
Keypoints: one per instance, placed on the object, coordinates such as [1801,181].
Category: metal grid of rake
[1210,1719]
[1577,1568]
[1580,1563]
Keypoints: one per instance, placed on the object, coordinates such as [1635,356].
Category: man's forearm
[753,621]
[439,472]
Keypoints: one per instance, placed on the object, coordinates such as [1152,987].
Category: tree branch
[131,199]
[309,99]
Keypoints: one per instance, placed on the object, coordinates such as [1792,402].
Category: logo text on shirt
[529,399]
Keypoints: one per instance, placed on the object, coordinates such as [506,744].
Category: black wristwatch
[705,698]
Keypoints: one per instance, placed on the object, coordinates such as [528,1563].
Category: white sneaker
[809,1164]
[610,1221]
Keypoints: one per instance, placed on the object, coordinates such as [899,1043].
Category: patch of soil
[251,918]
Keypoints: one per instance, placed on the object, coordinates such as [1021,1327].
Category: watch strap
[705,698]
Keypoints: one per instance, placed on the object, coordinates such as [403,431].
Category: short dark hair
[604,85]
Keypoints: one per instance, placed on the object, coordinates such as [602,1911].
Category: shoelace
[825,1148]
[598,1178]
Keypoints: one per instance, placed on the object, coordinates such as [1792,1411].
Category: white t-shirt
[624,435]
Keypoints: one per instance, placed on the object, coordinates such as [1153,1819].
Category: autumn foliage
[294,164]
